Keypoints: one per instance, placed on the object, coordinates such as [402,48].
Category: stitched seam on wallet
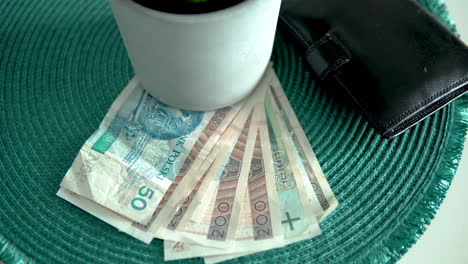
[333,66]
[423,114]
[317,44]
[344,58]
[425,102]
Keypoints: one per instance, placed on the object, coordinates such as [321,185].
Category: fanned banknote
[131,160]
[125,224]
[217,222]
[259,227]
[296,225]
[183,190]
[219,184]
[302,149]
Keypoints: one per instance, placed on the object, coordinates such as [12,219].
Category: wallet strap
[326,55]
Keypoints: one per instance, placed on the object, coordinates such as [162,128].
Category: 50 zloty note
[131,160]
[135,229]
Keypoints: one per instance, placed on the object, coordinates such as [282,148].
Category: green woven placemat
[62,63]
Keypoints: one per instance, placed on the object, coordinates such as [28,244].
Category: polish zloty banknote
[141,231]
[106,215]
[217,226]
[303,149]
[291,207]
[226,193]
[259,228]
[141,145]
[175,250]
[297,223]
[126,225]
[174,202]
[298,213]
[171,209]
[285,152]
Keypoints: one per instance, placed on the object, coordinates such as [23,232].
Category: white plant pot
[200,61]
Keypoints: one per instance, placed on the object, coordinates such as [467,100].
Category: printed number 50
[139,203]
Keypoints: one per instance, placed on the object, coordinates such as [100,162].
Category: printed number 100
[139,203]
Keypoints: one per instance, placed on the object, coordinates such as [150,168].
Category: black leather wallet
[391,57]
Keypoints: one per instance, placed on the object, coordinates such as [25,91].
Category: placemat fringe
[414,225]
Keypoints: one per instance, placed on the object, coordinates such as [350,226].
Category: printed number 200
[139,203]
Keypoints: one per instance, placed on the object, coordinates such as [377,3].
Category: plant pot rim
[209,17]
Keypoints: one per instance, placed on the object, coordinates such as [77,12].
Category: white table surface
[446,238]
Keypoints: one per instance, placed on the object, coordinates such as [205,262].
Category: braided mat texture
[62,63]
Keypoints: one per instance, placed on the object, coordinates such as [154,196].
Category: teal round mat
[62,63]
